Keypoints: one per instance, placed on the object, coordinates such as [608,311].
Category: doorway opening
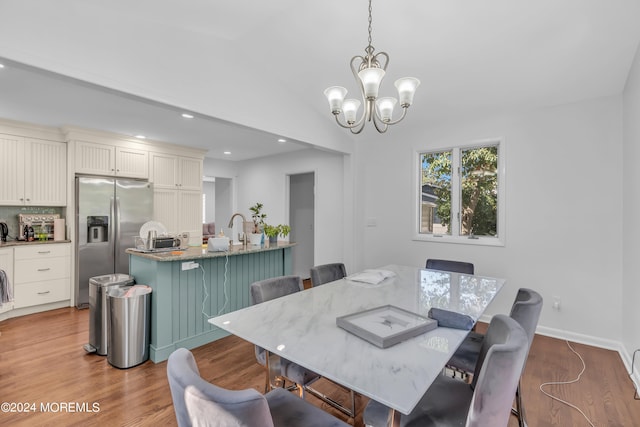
[302,221]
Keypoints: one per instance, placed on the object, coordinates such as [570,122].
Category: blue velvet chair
[199,403]
[321,274]
[486,402]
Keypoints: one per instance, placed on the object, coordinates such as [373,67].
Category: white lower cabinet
[42,274]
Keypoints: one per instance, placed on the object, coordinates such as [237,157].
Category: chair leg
[350,412]
[519,409]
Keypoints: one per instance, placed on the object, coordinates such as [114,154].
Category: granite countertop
[35,242]
[200,252]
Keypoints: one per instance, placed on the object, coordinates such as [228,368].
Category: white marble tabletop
[302,328]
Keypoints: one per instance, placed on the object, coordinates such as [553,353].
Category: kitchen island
[186,295]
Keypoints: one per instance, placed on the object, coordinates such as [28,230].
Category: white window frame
[500,239]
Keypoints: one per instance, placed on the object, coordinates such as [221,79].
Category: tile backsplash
[9,214]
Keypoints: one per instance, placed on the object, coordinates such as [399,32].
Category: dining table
[302,327]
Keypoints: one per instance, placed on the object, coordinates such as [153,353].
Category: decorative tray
[386,326]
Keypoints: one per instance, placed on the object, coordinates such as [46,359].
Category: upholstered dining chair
[449,265]
[266,290]
[199,403]
[321,274]
[485,402]
[525,310]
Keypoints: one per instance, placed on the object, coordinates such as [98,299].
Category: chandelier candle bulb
[385,108]
[335,95]
[350,109]
[371,79]
[406,89]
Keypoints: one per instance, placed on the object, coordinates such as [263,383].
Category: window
[460,194]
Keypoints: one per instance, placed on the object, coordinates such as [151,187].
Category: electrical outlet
[189,265]
[556,303]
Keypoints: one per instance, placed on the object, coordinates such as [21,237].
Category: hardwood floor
[44,369]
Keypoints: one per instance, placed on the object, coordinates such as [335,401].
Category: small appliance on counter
[154,238]
[36,226]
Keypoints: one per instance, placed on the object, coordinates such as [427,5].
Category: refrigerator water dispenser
[97,229]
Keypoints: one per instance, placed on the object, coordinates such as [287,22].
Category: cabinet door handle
[44,252]
[44,293]
[44,269]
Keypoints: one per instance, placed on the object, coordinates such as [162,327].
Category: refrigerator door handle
[113,232]
[117,221]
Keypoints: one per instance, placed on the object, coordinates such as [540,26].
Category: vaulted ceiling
[254,71]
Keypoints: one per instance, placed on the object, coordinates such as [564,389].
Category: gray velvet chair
[268,289]
[199,403]
[448,265]
[525,310]
[321,274]
[485,402]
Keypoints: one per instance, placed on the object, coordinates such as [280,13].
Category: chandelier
[369,73]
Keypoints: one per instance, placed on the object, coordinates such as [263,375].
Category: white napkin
[371,276]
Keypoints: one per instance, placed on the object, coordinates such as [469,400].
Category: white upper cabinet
[177,192]
[45,172]
[176,172]
[33,172]
[111,160]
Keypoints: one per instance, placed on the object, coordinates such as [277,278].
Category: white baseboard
[592,341]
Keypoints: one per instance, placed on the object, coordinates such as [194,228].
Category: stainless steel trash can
[129,325]
[98,320]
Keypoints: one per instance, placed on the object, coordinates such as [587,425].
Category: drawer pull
[44,252]
[44,293]
[44,269]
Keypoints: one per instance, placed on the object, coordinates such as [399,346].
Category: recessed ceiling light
[282,140]
[1,65]
[227,152]
[187,116]
[140,136]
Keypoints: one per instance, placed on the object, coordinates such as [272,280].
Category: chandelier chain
[369,23]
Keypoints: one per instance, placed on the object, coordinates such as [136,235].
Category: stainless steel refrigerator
[109,214]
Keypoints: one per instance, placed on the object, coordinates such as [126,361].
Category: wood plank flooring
[42,364]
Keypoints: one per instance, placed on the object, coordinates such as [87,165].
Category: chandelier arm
[386,62]
[354,71]
[358,130]
[376,123]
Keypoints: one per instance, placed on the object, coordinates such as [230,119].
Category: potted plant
[273,231]
[258,218]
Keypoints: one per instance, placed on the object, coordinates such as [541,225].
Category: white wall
[631,239]
[563,212]
[219,168]
[264,180]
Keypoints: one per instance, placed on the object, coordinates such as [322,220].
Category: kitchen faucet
[244,235]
